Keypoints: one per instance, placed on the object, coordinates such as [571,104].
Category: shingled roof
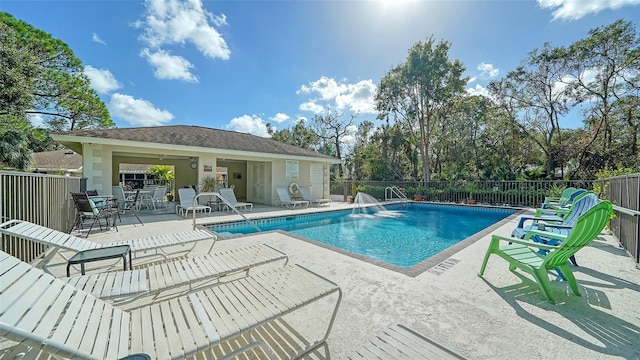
[57,160]
[198,136]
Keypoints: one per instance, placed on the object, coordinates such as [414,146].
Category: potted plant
[471,188]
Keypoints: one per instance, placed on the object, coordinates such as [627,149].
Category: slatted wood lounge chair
[162,245]
[306,195]
[128,285]
[49,315]
[399,342]
[524,254]
[285,200]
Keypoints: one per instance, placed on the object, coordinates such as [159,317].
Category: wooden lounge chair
[130,284]
[285,200]
[398,342]
[48,315]
[524,254]
[162,245]
[306,195]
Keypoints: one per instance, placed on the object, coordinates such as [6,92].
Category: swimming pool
[404,236]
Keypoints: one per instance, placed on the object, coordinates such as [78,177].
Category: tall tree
[418,90]
[41,76]
[539,103]
[605,69]
[300,135]
[331,129]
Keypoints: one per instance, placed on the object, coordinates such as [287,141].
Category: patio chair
[399,342]
[127,203]
[523,254]
[156,197]
[306,195]
[555,224]
[230,202]
[87,210]
[285,200]
[186,202]
[561,200]
[159,276]
[50,316]
[561,210]
[159,245]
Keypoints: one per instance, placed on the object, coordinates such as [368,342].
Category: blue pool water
[404,236]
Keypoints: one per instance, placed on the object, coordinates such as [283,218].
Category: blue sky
[238,65]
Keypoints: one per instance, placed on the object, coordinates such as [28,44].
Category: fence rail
[38,198]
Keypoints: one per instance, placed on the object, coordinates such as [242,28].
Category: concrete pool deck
[500,316]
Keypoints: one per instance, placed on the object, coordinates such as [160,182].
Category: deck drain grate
[443,266]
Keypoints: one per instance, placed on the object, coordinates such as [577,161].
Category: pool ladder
[393,192]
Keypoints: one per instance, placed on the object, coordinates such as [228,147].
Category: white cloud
[169,22]
[478,90]
[472,79]
[102,80]
[279,118]
[311,106]
[488,71]
[357,98]
[137,111]
[576,9]
[97,39]
[251,124]
[169,67]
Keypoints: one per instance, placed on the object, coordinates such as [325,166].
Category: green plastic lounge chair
[523,254]
[562,200]
[43,314]
[561,210]
[555,224]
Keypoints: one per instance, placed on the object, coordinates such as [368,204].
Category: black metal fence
[511,193]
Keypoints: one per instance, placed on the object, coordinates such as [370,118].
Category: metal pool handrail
[195,202]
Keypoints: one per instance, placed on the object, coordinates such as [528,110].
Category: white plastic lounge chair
[398,342]
[230,201]
[186,202]
[285,200]
[306,195]
[154,198]
[49,315]
[162,245]
[176,272]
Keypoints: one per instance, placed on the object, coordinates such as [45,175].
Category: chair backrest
[38,310]
[93,192]
[581,206]
[44,235]
[306,195]
[229,195]
[84,204]
[577,194]
[587,227]
[186,197]
[118,193]
[159,193]
[282,193]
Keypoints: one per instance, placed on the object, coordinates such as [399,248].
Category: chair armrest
[523,242]
[546,219]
